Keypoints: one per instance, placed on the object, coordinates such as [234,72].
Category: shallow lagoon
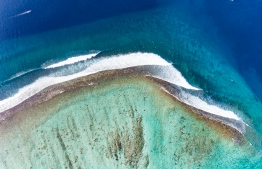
[126,122]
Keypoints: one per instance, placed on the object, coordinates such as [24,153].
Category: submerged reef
[117,119]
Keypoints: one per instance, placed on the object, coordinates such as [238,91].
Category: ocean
[237,23]
[214,49]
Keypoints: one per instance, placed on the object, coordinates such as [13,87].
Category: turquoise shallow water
[125,123]
[175,36]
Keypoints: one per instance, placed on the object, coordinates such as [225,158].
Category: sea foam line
[68,61]
[71,60]
[200,104]
[169,74]
[18,75]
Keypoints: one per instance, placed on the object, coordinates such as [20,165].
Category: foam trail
[23,13]
[18,75]
[141,59]
[71,60]
[200,104]
[171,75]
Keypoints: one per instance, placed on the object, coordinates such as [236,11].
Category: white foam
[171,75]
[71,60]
[23,13]
[200,104]
[167,73]
[19,74]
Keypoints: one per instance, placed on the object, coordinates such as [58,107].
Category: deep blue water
[239,24]
[48,15]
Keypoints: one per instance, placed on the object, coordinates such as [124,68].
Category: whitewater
[165,71]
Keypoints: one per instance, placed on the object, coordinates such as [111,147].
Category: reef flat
[117,119]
